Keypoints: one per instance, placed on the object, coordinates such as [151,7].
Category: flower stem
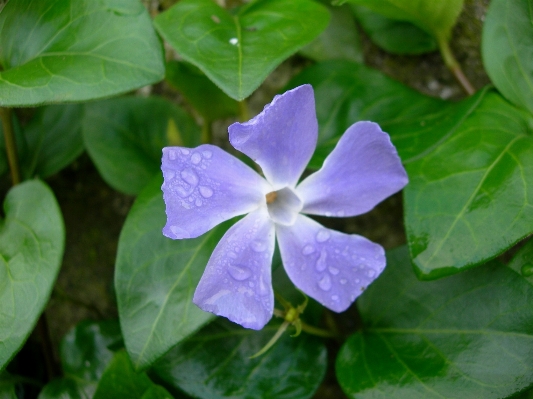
[273,340]
[11,146]
[244,111]
[207,133]
[318,331]
[454,66]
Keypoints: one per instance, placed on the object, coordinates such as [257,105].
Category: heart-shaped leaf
[436,17]
[125,136]
[216,364]
[506,49]
[196,88]
[339,41]
[155,279]
[73,50]
[393,36]
[466,336]
[237,52]
[32,238]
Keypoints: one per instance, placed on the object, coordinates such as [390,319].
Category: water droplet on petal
[325,283]
[198,202]
[321,261]
[232,255]
[169,174]
[251,284]
[239,273]
[185,151]
[190,177]
[196,158]
[205,192]
[172,155]
[340,213]
[183,192]
[527,270]
[343,281]
[263,289]
[335,297]
[333,270]
[207,154]
[308,250]
[328,214]
[371,273]
[258,245]
[323,235]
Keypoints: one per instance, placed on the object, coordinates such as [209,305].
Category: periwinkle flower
[205,186]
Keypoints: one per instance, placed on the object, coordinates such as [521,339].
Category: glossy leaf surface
[434,16]
[506,49]
[32,239]
[125,136]
[155,279]
[237,52]
[466,336]
[74,50]
[339,41]
[393,36]
[211,102]
[215,363]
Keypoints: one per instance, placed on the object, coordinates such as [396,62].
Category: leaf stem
[244,111]
[207,133]
[318,331]
[454,66]
[11,146]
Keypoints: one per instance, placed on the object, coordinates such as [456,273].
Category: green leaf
[216,363]
[196,88]
[468,197]
[125,136]
[68,388]
[8,386]
[155,279]
[393,36]
[120,381]
[340,40]
[436,17]
[466,336]
[506,49]
[156,392]
[237,52]
[522,262]
[74,50]
[32,238]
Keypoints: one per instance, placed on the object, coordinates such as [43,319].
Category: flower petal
[205,186]
[362,170]
[282,138]
[237,280]
[329,266]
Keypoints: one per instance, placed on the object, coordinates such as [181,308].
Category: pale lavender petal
[282,138]
[332,267]
[362,170]
[205,186]
[237,279]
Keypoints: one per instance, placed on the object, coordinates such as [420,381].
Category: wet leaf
[74,50]
[466,336]
[237,52]
[32,239]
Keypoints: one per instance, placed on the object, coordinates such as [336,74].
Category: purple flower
[205,186]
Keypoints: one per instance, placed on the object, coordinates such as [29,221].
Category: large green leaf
[73,50]
[436,17]
[393,36]
[125,136]
[216,363]
[32,238]
[339,41]
[466,336]
[155,279]
[468,198]
[211,102]
[237,52]
[506,49]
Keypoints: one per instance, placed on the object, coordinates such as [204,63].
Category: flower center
[283,206]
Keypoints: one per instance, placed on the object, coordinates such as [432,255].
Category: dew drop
[239,273]
[371,273]
[183,192]
[325,283]
[190,177]
[343,281]
[196,158]
[308,250]
[340,213]
[333,270]
[169,175]
[185,151]
[258,245]
[323,235]
[233,41]
[262,289]
[527,270]
[207,154]
[172,155]
[335,297]
[205,192]
[357,281]
[198,202]
[328,214]
[321,261]
[232,255]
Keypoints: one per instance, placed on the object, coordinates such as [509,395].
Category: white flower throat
[283,206]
